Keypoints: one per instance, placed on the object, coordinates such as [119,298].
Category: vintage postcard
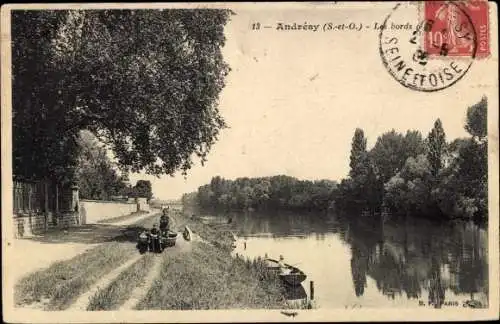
[250,162]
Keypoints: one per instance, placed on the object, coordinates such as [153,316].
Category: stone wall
[34,224]
[92,211]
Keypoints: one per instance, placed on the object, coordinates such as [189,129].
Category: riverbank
[260,288]
[209,277]
[196,274]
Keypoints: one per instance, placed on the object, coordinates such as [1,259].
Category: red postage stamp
[456,28]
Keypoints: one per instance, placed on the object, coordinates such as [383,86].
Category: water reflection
[412,260]
[408,256]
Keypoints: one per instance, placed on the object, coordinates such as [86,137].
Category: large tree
[436,143]
[146,82]
[143,189]
[358,149]
[463,187]
[476,123]
[388,154]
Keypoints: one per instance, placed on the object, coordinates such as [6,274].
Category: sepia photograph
[332,161]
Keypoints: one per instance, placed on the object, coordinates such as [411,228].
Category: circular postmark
[420,55]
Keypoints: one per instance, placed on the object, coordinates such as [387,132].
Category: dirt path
[82,302]
[181,246]
[102,233]
[36,253]
[30,256]
[140,291]
[136,219]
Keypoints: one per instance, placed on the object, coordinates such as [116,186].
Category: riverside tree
[436,143]
[426,186]
[358,149]
[476,123]
[146,82]
[463,188]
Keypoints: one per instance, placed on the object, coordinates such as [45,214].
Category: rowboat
[290,275]
[295,292]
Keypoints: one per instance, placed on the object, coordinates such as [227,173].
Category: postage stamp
[457,29]
[409,62]
[247,162]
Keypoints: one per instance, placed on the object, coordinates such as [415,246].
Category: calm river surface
[358,261]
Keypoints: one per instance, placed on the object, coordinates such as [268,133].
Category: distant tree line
[277,192]
[413,175]
[403,173]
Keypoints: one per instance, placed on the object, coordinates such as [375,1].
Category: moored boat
[290,275]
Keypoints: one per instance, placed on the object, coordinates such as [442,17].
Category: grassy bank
[113,296]
[122,218]
[218,235]
[207,277]
[60,284]
[269,290]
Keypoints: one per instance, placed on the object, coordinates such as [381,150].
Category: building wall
[39,206]
[92,211]
[143,204]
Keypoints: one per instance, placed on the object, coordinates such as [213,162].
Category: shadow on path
[96,233]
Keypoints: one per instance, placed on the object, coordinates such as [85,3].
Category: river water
[363,261]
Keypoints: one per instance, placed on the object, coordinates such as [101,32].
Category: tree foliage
[458,189]
[436,142]
[146,82]
[424,178]
[387,154]
[477,121]
[410,189]
[143,189]
[278,192]
[358,148]
[97,176]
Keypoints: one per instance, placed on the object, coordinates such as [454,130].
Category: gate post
[75,203]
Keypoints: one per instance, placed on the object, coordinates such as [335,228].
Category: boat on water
[290,275]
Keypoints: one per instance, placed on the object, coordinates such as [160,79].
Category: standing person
[165,221]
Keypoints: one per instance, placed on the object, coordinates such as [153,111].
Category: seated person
[154,230]
[144,234]
[281,264]
[155,241]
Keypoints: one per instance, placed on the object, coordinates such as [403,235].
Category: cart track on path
[83,300]
[141,290]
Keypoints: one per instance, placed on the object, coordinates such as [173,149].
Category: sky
[294,98]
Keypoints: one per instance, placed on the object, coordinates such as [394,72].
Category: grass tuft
[211,279]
